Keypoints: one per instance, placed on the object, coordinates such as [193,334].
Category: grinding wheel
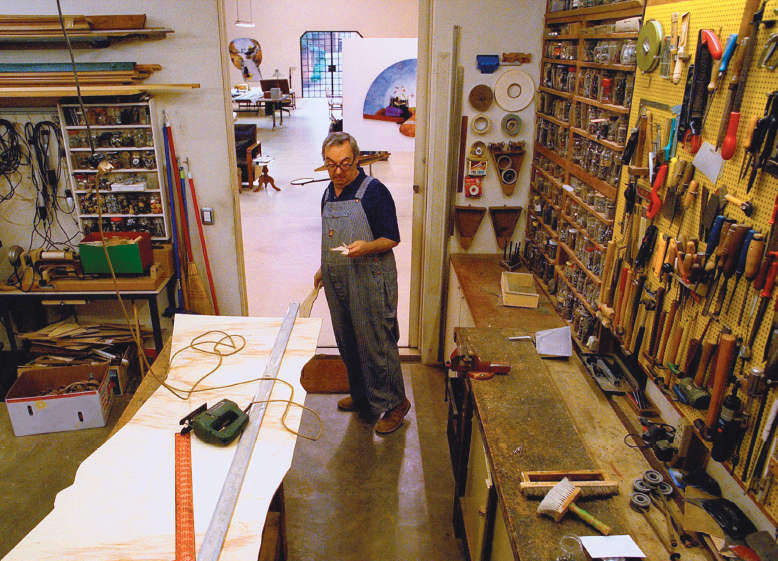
[649,45]
[514,90]
[481,98]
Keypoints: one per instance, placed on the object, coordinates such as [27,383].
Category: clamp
[477,369]
[768,59]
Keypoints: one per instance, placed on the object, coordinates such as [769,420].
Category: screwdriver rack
[658,95]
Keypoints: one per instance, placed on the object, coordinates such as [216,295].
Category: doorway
[321,62]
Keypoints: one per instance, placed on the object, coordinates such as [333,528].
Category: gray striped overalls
[362,297]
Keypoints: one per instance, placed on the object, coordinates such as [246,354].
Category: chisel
[732,259]
[723,362]
[741,264]
[660,298]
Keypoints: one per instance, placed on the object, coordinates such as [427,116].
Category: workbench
[121,505]
[86,293]
[543,415]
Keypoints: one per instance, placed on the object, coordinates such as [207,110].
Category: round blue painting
[395,86]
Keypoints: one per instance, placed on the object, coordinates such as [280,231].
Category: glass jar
[606,90]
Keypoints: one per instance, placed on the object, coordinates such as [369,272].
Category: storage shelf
[592,36]
[117,149]
[127,104]
[543,253]
[552,119]
[103,127]
[551,91]
[106,215]
[548,176]
[545,226]
[561,275]
[572,37]
[571,254]
[583,232]
[606,143]
[593,212]
[558,160]
[118,170]
[618,67]
[606,11]
[108,191]
[608,106]
[560,61]
[604,188]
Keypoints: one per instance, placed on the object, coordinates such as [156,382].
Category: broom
[561,499]
[199,302]
[203,244]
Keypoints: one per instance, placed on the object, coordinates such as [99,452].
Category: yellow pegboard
[724,18]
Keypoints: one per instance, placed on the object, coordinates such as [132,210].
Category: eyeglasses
[345,166]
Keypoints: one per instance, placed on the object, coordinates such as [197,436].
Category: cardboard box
[122,370]
[518,290]
[135,258]
[85,410]
[163,254]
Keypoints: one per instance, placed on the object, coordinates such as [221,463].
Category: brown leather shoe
[347,404]
[392,420]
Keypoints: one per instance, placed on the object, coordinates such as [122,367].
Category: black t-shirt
[377,203]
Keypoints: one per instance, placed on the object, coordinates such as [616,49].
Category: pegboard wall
[658,95]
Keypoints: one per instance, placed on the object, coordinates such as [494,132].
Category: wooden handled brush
[561,499]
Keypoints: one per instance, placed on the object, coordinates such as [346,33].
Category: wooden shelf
[604,188]
[56,92]
[592,36]
[94,39]
[104,127]
[606,143]
[550,232]
[618,67]
[609,11]
[561,38]
[593,212]
[117,149]
[108,191]
[106,215]
[551,119]
[571,254]
[608,106]
[560,61]
[558,160]
[583,232]
[566,95]
[561,275]
[548,176]
[543,253]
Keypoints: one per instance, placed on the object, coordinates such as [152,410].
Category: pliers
[768,59]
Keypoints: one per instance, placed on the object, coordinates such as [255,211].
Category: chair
[246,149]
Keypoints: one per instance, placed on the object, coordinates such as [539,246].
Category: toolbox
[127,259]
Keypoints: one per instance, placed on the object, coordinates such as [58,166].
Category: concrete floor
[349,495]
[282,229]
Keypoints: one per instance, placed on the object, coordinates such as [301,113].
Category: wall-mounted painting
[246,55]
[392,96]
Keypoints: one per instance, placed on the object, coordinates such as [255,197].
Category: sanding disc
[514,90]
[480,124]
[649,44]
[481,98]
[511,124]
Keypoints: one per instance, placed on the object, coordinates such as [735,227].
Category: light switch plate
[206,213]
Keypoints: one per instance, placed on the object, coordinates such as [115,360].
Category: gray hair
[338,139]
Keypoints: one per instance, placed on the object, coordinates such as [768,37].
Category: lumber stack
[62,76]
[69,342]
[96,30]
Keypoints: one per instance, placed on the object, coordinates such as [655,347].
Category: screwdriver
[733,256]
[721,253]
[749,154]
[715,77]
[765,296]
[759,281]
[753,260]
[741,264]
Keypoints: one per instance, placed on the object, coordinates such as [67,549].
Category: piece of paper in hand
[709,162]
[342,248]
[608,547]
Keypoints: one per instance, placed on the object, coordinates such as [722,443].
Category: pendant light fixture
[243,23]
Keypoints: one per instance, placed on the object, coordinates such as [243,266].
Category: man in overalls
[358,213]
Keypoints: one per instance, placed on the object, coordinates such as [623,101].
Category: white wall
[494,28]
[281,23]
[190,55]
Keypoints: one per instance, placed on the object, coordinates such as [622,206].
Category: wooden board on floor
[325,374]
[121,504]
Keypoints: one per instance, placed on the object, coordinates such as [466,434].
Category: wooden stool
[264,179]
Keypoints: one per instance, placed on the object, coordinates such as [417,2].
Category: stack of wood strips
[23,25]
[19,75]
[69,343]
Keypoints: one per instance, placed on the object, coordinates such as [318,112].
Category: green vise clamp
[221,424]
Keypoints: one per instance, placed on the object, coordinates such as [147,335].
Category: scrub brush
[561,499]
[593,483]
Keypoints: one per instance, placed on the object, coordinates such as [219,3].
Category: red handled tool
[655,205]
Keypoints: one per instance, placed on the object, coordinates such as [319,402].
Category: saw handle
[656,203]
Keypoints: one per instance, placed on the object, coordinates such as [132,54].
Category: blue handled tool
[741,264]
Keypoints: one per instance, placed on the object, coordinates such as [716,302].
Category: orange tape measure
[185,535]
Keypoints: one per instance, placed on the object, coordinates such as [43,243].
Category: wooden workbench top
[545,415]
